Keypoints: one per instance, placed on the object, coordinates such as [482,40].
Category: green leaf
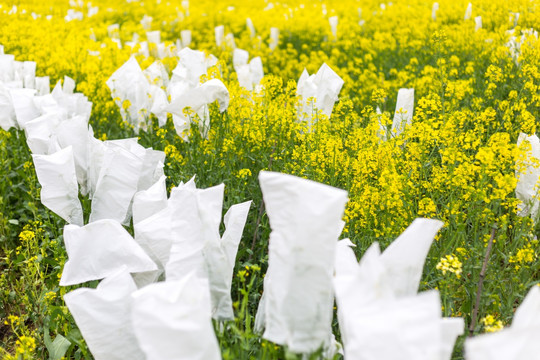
[58,348]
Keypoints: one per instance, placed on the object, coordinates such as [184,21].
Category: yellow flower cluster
[450,263]
[27,236]
[490,324]
[476,90]
[524,256]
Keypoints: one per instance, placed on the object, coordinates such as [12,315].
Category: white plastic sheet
[101,249]
[153,37]
[23,105]
[72,104]
[186,37]
[59,190]
[43,85]
[220,256]
[172,320]
[191,66]
[104,317]
[156,233]
[39,133]
[157,74]
[74,132]
[198,246]
[477,23]
[186,253]
[305,218]
[7,67]
[229,41]
[29,74]
[468,12]
[404,258]
[251,28]
[406,328]
[152,167]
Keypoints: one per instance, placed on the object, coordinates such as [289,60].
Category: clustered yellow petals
[456,161]
[491,324]
[450,263]
[522,257]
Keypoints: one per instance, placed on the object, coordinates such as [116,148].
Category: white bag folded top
[305,217]
[59,190]
[100,249]
[172,320]
[104,317]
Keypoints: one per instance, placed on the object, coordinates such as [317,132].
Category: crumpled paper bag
[172,320]
[249,74]
[149,202]
[404,111]
[528,174]
[517,342]
[305,217]
[198,99]
[104,317]
[129,84]
[324,87]
[198,246]
[377,299]
[117,184]
[59,190]
[7,112]
[100,249]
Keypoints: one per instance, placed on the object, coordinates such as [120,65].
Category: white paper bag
[172,320]
[324,87]
[100,249]
[149,202]
[305,218]
[404,110]
[117,184]
[59,190]
[104,317]
[528,175]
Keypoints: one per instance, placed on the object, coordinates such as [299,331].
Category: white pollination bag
[100,249]
[528,174]
[104,317]
[305,217]
[172,320]
[59,190]
[517,342]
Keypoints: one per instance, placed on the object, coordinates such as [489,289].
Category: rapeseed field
[460,154]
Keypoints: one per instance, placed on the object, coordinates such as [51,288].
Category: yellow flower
[450,263]
[27,236]
[490,324]
[243,173]
[523,256]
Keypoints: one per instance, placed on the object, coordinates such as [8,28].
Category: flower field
[144,210]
